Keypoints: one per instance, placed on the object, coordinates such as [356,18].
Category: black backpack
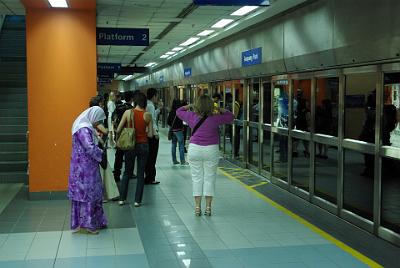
[119,112]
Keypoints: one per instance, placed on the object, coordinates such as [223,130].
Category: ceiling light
[222,23]
[58,3]
[206,33]
[244,10]
[150,64]
[164,56]
[170,53]
[129,77]
[177,48]
[190,41]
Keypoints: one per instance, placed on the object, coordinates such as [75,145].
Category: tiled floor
[244,231]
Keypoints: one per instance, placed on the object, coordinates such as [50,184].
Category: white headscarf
[87,118]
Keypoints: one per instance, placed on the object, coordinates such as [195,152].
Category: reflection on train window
[390,216]
[360,107]
[280,150]
[281,104]
[391,111]
[326,110]
[266,151]
[253,146]
[326,172]
[254,97]
[301,166]
[237,141]
[302,105]
[358,188]
[267,102]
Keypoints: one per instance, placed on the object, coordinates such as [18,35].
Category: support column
[61,68]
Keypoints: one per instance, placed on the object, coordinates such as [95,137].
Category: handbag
[170,132]
[126,141]
[103,162]
[110,186]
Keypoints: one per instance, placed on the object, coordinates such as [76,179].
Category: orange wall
[61,64]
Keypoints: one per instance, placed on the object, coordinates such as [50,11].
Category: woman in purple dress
[85,188]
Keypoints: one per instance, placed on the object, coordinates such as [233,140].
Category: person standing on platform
[142,123]
[150,171]
[85,187]
[176,126]
[111,108]
[118,113]
[203,152]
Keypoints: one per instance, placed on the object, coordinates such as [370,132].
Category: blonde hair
[204,105]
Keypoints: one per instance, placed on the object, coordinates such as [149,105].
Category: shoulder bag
[170,133]
[196,127]
[126,140]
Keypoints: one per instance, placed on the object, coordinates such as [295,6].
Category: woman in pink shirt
[203,154]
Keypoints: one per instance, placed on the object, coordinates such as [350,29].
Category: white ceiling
[156,15]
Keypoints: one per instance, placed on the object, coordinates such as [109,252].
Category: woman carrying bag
[176,133]
[136,122]
[203,152]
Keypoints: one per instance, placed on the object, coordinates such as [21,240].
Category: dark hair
[176,103]
[141,100]
[216,95]
[151,92]
[96,100]
[128,96]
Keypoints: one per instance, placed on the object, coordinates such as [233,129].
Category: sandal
[208,211]
[197,211]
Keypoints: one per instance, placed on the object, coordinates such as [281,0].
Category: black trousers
[119,159]
[150,170]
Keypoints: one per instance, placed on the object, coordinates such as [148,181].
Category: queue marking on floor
[364,259]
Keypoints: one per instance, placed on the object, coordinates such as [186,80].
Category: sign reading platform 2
[122,37]
[252,57]
[231,2]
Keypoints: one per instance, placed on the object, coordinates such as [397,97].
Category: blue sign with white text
[108,67]
[232,2]
[161,79]
[252,57]
[187,72]
[122,37]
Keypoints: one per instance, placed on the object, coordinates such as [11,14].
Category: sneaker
[137,204]
[175,162]
[121,203]
[184,163]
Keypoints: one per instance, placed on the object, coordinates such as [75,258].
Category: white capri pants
[203,162]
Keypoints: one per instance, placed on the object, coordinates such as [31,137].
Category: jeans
[141,151]
[178,138]
[150,169]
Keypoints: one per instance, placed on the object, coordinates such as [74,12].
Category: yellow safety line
[314,228]
[258,184]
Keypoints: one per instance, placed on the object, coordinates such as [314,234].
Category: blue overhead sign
[161,79]
[252,57]
[232,2]
[108,67]
[122,37]
[187,72]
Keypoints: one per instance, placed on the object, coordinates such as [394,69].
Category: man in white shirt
[150,170]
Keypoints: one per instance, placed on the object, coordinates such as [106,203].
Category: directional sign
[108,67]
[187,72]
[232,2]
[252,57]
[122,37]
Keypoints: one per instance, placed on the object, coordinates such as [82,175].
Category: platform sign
[187,72]
[252,57]
[232,2]
[108,67]
[123,36]
[161,79]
